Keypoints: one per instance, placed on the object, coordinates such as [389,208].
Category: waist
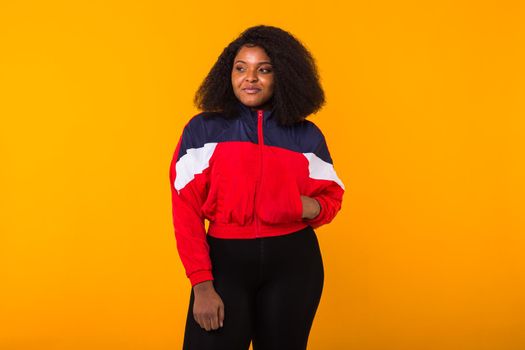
[252,231]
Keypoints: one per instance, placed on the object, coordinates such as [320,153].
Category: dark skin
[252,81]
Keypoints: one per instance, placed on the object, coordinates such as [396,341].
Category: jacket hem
[249,232]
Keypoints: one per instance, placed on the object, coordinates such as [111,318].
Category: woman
[262,175]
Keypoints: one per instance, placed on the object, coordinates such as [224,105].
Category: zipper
[260,140]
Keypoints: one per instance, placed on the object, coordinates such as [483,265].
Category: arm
[188,177]
[188,192]
[324,185]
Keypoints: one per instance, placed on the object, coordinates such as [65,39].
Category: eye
[266,70]
[239,68]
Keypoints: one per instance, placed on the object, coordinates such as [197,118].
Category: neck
[266,106]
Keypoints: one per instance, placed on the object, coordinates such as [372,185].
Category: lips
[251,91]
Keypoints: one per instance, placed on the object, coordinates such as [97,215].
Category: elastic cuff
[200,276]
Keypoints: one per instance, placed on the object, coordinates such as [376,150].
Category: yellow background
[424,120]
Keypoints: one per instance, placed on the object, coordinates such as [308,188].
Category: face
[252,77]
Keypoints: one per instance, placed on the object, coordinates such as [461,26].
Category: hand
[208,308]
[311,207]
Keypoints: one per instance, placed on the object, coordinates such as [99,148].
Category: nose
[251,75]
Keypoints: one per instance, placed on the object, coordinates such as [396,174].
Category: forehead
[252,54]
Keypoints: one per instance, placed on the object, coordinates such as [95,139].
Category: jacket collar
[246,111]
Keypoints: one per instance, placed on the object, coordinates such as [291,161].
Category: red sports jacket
[246,175]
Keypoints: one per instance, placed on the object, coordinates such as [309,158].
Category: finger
[207,324]
[214,322]
[199,321]
[221,315]
[196,316]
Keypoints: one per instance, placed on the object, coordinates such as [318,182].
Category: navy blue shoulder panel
[207,127]
[303,137]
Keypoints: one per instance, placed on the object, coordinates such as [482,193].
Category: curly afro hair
[297,90]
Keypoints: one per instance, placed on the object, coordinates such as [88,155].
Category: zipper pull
[260,126]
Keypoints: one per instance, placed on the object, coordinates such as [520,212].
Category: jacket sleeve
[188,193]
[324,184]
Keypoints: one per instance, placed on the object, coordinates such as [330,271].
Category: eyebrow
[262,62]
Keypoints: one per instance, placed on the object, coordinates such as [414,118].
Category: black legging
[270,288]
